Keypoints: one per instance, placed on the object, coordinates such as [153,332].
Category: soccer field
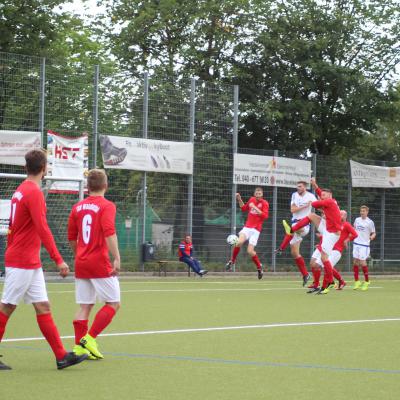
[273,341]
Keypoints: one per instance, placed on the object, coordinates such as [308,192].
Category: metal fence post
[382,232]
[274,220]
[314,174]
[144,181]
[95,113]
[42,99]
[349,213]
[191,139]
[234,150]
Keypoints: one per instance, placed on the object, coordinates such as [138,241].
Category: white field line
[223,328]
[203,290]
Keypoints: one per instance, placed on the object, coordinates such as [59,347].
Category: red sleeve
[246,207]
[107,220]
[265,209]
[318,191]
[37,210]
[72,226]
[352,231]
[321,203]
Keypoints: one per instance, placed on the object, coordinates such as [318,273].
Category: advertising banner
[15,144]
[373,176]
[256,170]
[137,154]
[67,157]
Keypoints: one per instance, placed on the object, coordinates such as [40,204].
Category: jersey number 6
[86,228]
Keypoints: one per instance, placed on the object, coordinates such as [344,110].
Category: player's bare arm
[63,269]
[239,199]
[112,244]
[373,236]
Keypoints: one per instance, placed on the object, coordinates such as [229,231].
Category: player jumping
[257,209]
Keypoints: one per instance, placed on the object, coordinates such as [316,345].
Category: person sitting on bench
[185,252]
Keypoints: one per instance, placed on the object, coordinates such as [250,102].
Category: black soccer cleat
[260,273]
[70,359]
[203,272]
[313,290]
[229,265]
[306,278]
[3,366]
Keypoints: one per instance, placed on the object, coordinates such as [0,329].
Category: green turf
[349,361]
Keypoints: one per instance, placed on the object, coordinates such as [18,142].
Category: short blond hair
[364,208]
[97,180]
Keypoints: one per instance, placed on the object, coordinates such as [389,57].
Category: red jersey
[347,230]
[331,211]
[29,229]
[185,249]
[255,220]
[90,222]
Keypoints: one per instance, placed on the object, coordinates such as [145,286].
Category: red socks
[301,224]
[103,318]
[336,274]
[80,328]
[365,270]
[356,274]
[3,323]
[328,274]
[236,251]
[301,265]
[286,241]
[256,261]
[317,275]
[50,332]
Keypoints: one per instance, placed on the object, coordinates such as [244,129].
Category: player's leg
[356,266]
[334,258]
[316,265]
[191,264]
[197,263]
[254,235]
[243,238]
[108,291]
[295,252]
[364,267]
[81,327]
[329,239]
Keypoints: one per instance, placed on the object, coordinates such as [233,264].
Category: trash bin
[148,251]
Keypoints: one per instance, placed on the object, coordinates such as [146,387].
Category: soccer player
[24,279]
[300,207]
[91,234]
[257,209]
[365,228]
[347,235]
[330,235]
[185,253]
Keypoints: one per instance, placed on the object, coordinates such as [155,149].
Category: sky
[88,7]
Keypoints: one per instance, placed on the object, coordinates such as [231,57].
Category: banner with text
[121,152]
[15,144]
[66,157]
[251,169]
[363,175]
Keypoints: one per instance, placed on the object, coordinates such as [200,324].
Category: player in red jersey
[330,235]
[257,209]
[347,235]
[92,236]
[24,279]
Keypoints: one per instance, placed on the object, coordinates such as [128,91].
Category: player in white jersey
[300,207]
[365,228]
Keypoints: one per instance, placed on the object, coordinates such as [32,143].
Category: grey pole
[144,182]
[382,232]
[191,139]
[95,113]
[234,150]
[42,99]
[274,220]
[349,214]
[314,173]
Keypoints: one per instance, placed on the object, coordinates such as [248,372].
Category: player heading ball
[257,209]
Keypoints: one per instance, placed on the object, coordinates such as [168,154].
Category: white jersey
[364,228]
[299,201]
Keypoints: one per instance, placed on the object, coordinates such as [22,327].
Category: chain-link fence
[39,95]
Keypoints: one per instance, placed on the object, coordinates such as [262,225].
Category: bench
[162,266]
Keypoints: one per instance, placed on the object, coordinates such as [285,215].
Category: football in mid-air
[232,240]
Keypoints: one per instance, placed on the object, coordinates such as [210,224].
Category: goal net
[59,204]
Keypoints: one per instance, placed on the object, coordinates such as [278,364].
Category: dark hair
[96,180]
[326,190]
[302,182]
[259,188]
[35,161]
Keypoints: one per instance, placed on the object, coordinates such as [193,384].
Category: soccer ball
[232,240]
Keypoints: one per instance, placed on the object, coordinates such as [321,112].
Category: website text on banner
[269,171]
[147,155]
[363,175]
[67,158]
[15,144]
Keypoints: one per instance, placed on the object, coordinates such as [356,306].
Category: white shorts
[24,284]
[361,252]
[317,256]
[335,257]
[105,290]
[329,240]
[299,235]
[322,226]
[251,235]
